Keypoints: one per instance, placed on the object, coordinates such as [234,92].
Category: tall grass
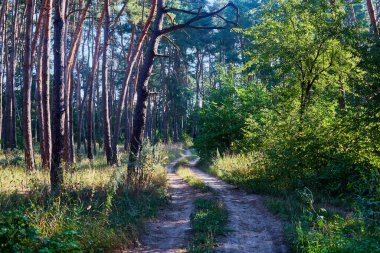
[315,224]
[99,211]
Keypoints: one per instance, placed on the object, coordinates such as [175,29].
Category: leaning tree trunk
[131,62]
[58,115]
[143,90]
[146,70]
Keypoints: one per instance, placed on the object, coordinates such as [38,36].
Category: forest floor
[250,228]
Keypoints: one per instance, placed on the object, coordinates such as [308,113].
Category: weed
[208,221]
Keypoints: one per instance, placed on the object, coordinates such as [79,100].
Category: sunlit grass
[99,210]
[192,179]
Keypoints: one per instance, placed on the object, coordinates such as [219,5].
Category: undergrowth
[96,213]
[316,222]
[208,221]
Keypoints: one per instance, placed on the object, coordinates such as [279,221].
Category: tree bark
[58,115]
[38,96]
[143,89]
[10,112]
[3,33]
[46,159]
[27,103]
[106,114]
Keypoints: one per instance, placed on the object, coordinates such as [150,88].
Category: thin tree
[46,159]
[27,103]
[105,101]
[3,34]
[10,108]
[95,59]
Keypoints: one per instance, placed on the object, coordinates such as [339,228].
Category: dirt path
[170,232]
[253,228]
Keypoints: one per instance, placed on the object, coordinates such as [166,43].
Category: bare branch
[200,16]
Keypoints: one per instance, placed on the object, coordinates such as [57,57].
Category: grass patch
[208,221]
[192,179]
[90,216]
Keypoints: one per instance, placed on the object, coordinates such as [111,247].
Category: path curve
[170,231]
[252,228]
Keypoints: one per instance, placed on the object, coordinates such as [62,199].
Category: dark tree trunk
[143,89]
[132,59]
[58,114]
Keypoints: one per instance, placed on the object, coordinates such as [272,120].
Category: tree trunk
[106,114]
[3,21]
[143,90]
[27,103]
[46,159]
[10,111]
[58,116]
[40,107]
[372,17]
[95,58]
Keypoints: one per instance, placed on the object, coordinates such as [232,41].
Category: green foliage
[18,234]
[207,222]
[303,113]
[93,214]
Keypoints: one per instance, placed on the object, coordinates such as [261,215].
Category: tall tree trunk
[27,103]
[95,58]
[3,34]
[69,66]
[58,116]
[143,89]
[46,159]
[105,102]
[40,107]
[10,112]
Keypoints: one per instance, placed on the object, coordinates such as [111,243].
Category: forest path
[251,227]
[170,231]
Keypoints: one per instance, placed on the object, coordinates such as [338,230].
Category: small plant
[192,179]
[208,221]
